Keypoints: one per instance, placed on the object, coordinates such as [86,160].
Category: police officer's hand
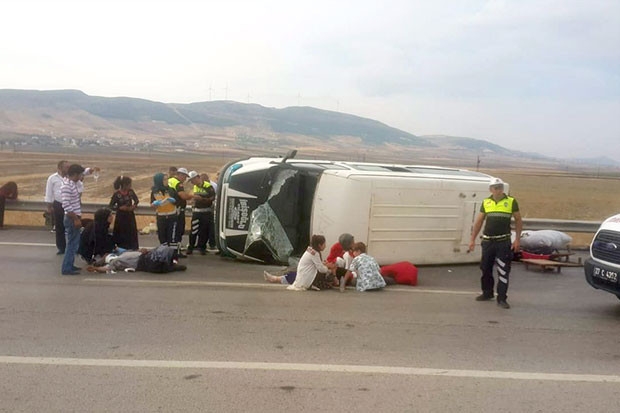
[472,245]
[516,246]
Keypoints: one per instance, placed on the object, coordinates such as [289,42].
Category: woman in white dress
[310,264]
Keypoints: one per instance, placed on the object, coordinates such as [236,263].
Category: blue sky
[538,75]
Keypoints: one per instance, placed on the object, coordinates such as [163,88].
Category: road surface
[218,338]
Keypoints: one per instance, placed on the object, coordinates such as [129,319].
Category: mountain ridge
[75,118]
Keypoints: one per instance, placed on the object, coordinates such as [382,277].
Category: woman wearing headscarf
[164,204]
[96,240]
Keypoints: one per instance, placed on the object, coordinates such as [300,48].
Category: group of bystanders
[91,238]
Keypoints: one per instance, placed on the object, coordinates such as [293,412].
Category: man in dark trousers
[202,214]
[497,249]
[177,190]
[54,204]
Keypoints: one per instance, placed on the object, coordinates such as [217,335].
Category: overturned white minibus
[269,207]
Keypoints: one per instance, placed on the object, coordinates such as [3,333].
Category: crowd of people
[113,232]
[348,262]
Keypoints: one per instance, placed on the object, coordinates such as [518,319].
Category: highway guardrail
[528,223]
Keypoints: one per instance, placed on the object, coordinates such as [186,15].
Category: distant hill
[60,118]
[219,114]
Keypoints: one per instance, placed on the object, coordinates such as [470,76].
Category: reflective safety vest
[498,215]
[201,204]
[174,183]
[166,208]
[202,189]
[500,208]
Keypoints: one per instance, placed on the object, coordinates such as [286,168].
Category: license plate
[605,274]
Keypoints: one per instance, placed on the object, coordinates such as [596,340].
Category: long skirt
[126,230]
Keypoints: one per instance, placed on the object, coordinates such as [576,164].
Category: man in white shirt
[54,204]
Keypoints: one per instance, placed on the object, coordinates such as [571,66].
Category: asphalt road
[217,338]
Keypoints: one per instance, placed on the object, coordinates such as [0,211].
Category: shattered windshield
[265,225]
[280,226]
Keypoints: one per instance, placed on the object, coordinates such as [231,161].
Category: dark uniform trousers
[499,254]
[59,217]
[180,228]
[200,231]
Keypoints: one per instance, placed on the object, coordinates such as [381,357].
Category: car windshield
[280,225]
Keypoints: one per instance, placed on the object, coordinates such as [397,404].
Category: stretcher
[549,264]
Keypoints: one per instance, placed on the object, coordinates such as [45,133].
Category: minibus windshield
[280,226]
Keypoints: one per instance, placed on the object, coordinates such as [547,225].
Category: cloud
[505,49]
[505,71]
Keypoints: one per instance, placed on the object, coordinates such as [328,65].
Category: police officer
[202,213]
[175,183]
[497,250]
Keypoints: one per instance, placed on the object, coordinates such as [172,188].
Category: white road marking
[183,283]
[253,285]
[325,368]
[27,244]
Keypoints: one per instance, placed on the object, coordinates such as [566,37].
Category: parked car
[603,265]
[269,207]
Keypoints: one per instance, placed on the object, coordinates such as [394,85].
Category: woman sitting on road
[340,254]
[310,266]
[367,270]
[96,240]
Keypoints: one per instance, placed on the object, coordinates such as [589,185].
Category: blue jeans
[73,243]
